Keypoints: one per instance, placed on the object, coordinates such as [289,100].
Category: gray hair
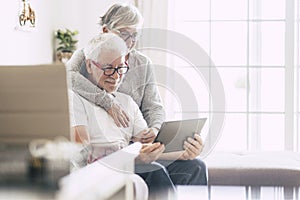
[104,42]
[121,16]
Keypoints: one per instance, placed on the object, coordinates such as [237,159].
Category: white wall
[19,47]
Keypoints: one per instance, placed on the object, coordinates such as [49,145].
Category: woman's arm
[151,105]
[82,85]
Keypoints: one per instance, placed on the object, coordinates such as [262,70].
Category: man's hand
[119,115]
[150,152]
[193,147]
[146,136]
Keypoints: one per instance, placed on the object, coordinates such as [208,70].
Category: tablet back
[174,133]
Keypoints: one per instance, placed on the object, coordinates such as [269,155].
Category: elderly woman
[139,83]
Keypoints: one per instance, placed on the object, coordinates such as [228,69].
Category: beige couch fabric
[254,168]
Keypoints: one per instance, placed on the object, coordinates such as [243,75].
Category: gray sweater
[139,83]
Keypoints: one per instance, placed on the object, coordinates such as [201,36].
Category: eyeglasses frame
[98,65]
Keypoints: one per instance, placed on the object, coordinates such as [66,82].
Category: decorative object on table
[26,14]
[66,44]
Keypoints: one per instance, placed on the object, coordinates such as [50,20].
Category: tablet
[173,133]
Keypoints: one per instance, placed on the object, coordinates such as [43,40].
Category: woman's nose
[130,42]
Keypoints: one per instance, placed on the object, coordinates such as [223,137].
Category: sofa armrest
[123,160]
[102,179]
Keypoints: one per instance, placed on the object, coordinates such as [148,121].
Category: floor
[237,193]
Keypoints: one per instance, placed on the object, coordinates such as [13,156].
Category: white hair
[121,15]
[104,42]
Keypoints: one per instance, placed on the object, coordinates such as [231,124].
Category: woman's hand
[146,136]
[150,152]
[193,147]
[119,115]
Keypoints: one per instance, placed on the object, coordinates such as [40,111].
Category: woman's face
[128,34]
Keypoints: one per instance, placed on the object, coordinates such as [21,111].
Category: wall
[26,47]
[36,46]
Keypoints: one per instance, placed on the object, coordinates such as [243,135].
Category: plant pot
[63,56]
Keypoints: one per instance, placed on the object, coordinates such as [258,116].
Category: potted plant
[66,44]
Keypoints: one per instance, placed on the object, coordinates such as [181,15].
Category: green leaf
[66,42]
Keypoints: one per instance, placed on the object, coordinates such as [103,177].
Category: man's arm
[193,147]
[141,132]
[78,119]
[150,153]
[79,134]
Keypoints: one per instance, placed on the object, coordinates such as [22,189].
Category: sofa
[255,169]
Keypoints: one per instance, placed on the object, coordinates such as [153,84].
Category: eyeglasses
[109,70]
[125,35]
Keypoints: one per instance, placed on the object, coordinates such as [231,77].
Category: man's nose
[116,75]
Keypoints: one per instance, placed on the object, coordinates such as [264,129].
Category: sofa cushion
[254,168]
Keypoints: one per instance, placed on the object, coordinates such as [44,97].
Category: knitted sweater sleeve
[152,106]
[82,85]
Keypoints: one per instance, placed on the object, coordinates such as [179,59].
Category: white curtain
[155,13]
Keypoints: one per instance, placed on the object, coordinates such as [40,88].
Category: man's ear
[88,66]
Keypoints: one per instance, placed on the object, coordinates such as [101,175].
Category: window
[254,45]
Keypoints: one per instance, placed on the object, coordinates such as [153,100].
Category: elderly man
[92,125]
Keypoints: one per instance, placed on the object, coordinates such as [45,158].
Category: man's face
[106,64]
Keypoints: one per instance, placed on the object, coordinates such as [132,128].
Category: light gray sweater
[139,83]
